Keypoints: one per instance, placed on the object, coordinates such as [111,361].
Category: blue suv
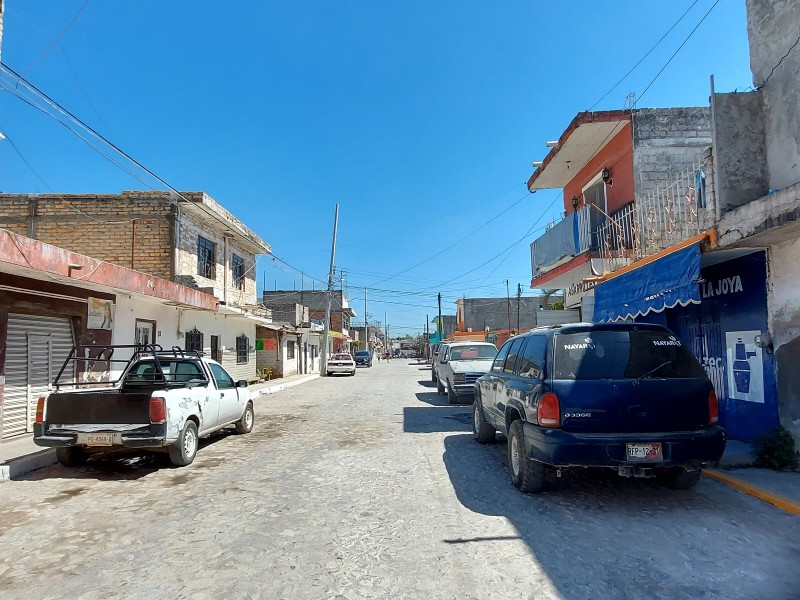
[626,396]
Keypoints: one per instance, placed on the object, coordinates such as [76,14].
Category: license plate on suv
[644,452]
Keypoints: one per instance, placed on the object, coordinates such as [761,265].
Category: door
[526,384]
[215,349]
[145,333]
[231,406]
[36,347]
[489,385]
[501,395]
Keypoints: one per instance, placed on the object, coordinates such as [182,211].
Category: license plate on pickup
[96,439]
[644,452]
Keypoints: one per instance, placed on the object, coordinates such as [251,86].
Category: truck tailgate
[110,406]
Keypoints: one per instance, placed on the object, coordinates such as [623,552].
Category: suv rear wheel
[527,475]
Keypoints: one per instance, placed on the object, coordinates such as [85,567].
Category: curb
[789,505]
[283,386]
[13,468]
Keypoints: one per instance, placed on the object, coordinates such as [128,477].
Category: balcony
[666,216]
[562,241]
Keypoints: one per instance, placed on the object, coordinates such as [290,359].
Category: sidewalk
[19,456]
[779,488]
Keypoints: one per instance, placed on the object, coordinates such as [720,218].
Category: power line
[792,47]
[641,60]
[59,36]
[674,54]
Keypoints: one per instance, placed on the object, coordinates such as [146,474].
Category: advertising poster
[100,314]
[745,366]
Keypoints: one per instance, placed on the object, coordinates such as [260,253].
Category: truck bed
[87,407]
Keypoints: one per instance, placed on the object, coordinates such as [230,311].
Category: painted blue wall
[733,299]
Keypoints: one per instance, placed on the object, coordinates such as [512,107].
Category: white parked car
[341,362]
[460,364]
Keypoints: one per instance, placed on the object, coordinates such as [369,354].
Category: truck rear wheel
[183,451]
[245,424]
[72,456]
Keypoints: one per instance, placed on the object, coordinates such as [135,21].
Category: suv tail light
[40,410]
[713,408]
[158,410]
[549,412]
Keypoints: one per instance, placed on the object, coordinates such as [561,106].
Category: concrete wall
[739,149]
[494,311]
[666,141]
[784,317]
[772,27]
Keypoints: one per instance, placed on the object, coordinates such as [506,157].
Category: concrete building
[756,172]
[316,301]
[189,240]
[492,314]
[609,164]
[52,299]
[291,344]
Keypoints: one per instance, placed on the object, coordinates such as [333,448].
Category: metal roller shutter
[36,347]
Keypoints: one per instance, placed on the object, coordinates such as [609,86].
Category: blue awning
[664,283]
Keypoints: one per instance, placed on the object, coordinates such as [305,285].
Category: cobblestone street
[371,487]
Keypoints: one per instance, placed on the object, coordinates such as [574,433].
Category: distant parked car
[363,357]
[624,396]
[460,367]
[435,365]
[341,362]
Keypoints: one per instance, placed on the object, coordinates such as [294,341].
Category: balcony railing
[663,217]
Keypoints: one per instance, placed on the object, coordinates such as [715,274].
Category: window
[623,355]
[513,352]
[289,350]
[237,266]
[193,341]
[224,381]
[242,350]
[531,361]
[497,365]
[206,258]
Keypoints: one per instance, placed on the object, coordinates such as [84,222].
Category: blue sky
[420,118]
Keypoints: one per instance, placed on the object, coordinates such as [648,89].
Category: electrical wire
[653,47]
[792,47]
[674,54]
[59,36]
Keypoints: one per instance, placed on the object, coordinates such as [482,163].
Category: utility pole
[386,334]
[519,298]
[439,326]
[427,337]
[327,327]
[508,302]
[366,323]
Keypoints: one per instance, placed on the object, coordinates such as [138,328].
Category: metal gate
[36,347]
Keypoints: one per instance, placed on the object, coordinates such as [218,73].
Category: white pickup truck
[163,401]
[459,365]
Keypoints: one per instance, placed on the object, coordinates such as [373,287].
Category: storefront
[716,302]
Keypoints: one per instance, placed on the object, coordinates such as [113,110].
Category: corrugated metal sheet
[36,347]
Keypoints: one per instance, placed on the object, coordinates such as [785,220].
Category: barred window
[194,341]
[206,258]
[242,350]
[237,266]
[289,350]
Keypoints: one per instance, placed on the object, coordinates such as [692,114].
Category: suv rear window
[622,355]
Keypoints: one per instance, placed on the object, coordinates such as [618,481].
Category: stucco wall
[784,316]
[667,141]
[772,27]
